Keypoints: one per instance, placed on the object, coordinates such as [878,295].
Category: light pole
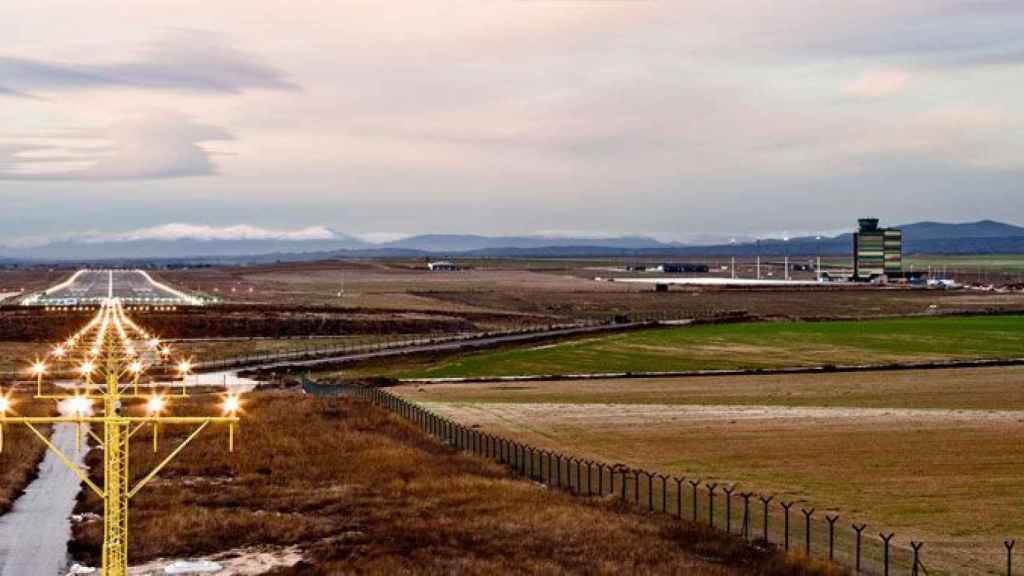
[107,347]
[817,264]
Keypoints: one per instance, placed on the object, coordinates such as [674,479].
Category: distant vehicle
[443,266]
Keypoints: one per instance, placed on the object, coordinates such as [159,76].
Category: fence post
[1009,556]
[600,478]
[711,504]
[746,514]
[590,478]
[695,484]
[807,529]
[766,501]
[650,492]
[831,536]
[664,494]
[786,506]
[624,472]
[579,484]
[859,529]
[636,484]
[728,490]
[679,497]
[885,553]
[558,475]
[917,557]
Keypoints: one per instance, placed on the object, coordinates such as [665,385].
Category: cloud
[877,83]
[184,231]
[157,145]
[190,61]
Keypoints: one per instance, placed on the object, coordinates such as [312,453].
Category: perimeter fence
[760,519]
[385,342]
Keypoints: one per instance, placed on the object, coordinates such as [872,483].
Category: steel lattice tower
[115,356]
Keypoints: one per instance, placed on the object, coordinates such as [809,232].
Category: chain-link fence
[790,525]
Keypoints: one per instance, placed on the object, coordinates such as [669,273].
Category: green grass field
[752,345]
[1009,263]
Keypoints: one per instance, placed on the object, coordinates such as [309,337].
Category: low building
[684,268]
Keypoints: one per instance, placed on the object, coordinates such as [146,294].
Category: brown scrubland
[360,491]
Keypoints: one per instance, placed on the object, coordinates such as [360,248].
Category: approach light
[38,368]
[59,352]
[155,405]
[165,351]
[232,404]
[135,367]
[184,367]
[5,404]
[86,368]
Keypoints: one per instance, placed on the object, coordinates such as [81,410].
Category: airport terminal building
[877,252]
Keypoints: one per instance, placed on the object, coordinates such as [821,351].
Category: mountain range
[985,236]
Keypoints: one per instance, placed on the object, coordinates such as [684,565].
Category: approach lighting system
[185,367]
[156,405]
[107,361]
[232,404]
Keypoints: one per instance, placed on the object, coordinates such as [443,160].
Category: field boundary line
[892,367]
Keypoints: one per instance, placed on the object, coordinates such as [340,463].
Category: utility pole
[106,358]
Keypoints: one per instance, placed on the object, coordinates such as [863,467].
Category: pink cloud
[877,83]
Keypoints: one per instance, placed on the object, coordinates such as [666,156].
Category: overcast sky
[671,118]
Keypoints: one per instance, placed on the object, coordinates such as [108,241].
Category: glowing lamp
[5,404]
[38,368]
[184,367]
[87,368]
[232,404]
[155,405]
[59,352]
[135,367]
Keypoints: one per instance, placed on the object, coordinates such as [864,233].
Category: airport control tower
[877,252]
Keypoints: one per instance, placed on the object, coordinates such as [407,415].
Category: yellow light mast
[114,353]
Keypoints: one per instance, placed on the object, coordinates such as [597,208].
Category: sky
[676,119]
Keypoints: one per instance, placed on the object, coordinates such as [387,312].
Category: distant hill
[984,237]
[470,243]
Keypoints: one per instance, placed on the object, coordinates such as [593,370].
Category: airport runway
[94,286]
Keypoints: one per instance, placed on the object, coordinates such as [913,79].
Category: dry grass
[19,461]
[208,351]
[930,455]
[363,492]
[998,388]
[561,288]
[16,356]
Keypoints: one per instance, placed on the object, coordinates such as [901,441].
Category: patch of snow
[79,569]
[199,567]
[240,562]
